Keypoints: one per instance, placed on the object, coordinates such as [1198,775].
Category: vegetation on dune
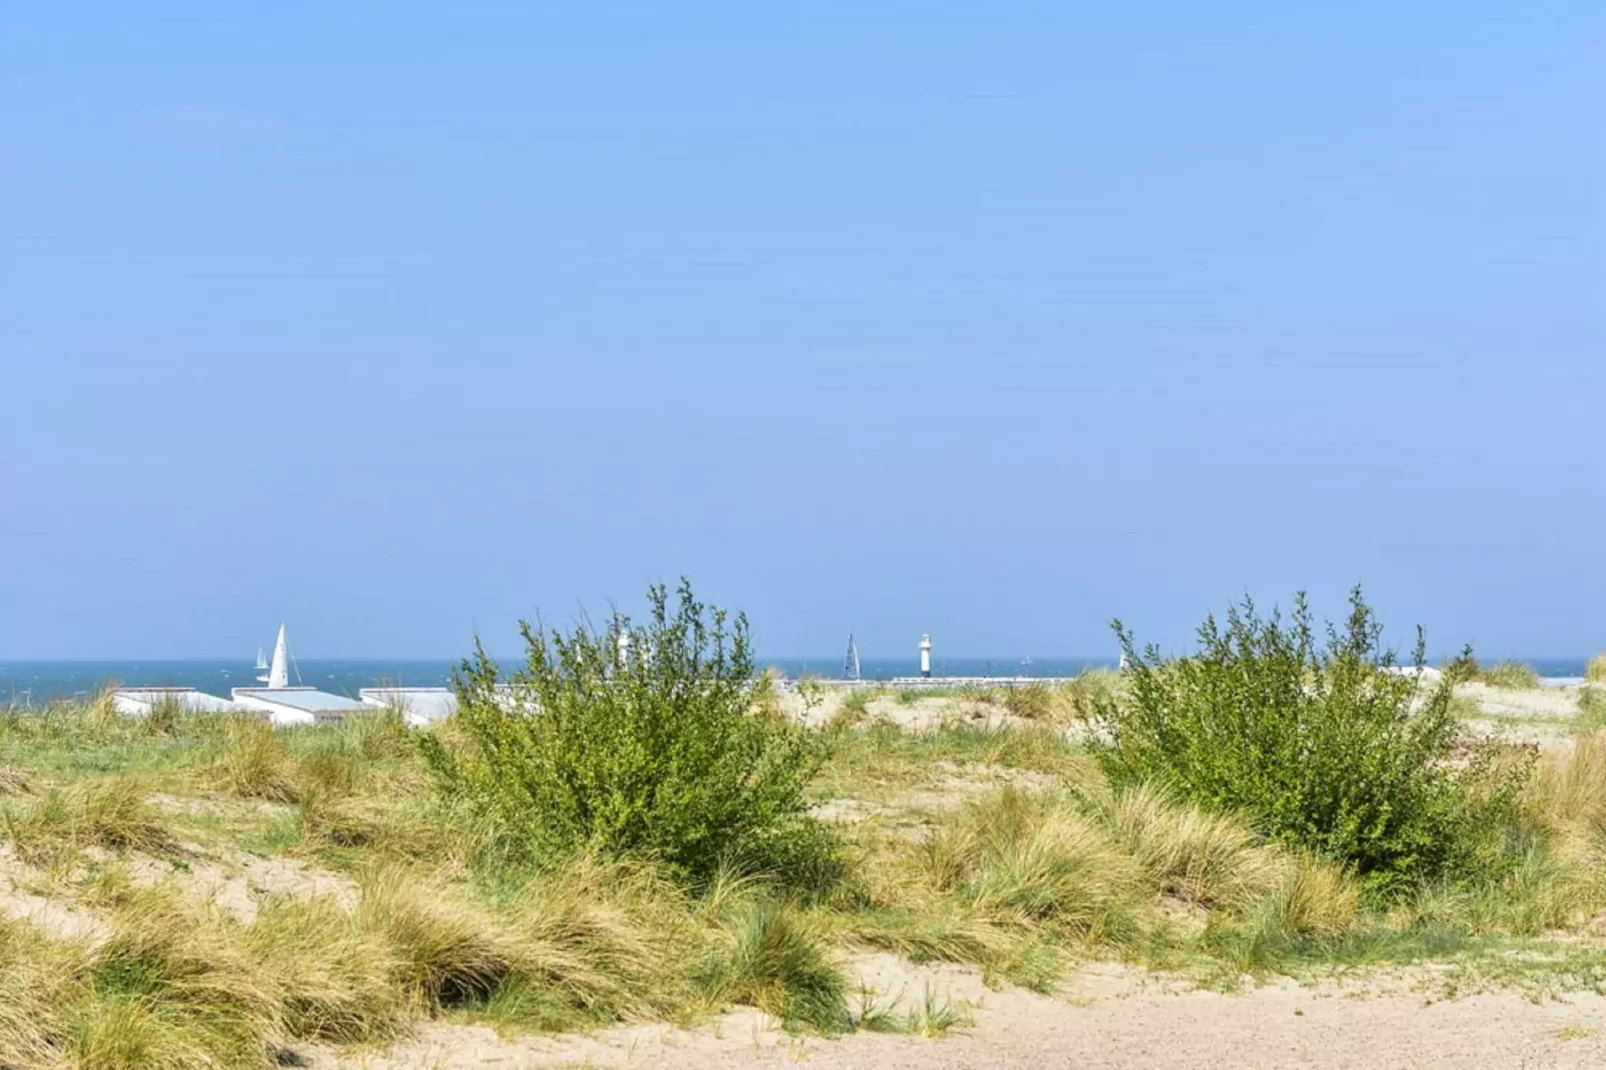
[1595,671]
[113,815]
[1514,675]
[774,958]
[639,738]
[252,763]
[574,857]
[1591,709]
[1324,747]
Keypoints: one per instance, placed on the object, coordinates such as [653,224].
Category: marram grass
[1021,882]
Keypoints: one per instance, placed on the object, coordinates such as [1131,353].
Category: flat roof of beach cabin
[140,700]
[417,704]
[299,705]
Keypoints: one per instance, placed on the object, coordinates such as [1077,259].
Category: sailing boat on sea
[279,674]
[850,666]
[262,660]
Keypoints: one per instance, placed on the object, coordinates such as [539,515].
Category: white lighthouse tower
[925,656]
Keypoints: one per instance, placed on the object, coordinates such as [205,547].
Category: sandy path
[1109,1022]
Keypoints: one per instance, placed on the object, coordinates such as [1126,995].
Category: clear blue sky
[399,321]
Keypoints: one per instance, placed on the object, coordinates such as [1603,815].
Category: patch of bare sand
[1109,1017]
[59,920]
[926,712]
[1532,704]
[1537,716]
[956,784]
[188,804]
[237,882]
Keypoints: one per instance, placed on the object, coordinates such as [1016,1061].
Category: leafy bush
[659,750]
[1328,748]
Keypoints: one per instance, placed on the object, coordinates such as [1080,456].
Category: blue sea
[30,682]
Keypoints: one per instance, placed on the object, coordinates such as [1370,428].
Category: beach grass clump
[852,712]
[1316,901]
[585,943]
[1320,747]
[777,960]
[646,741]
[335,976]
[13,781]
[111,814]
[1188,853]
[34,971]
[1029,861]
[171,986]
[252,763]
[448,950]
[1513,675]
[1595,670]
[1568,792]
[1591,709]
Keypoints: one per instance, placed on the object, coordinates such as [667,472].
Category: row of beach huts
[283,704]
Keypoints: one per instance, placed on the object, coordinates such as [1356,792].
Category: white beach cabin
[419,706]
[139,701]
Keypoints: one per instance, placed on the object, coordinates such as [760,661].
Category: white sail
[262,659]
[850,664]
[279,675]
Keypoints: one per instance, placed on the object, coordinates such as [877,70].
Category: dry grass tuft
[33,971]
[113,815]
[1316,899]
[776,960]
[448,950]
[1209,859]
[586,943]
[1595,671]
[1510,674]
[253,764]
[173,986]
[1568,792]
[13,782]
[1030,861]
[335,976]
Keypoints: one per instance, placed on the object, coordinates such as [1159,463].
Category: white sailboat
[850,665]
[278,674]
[262,660]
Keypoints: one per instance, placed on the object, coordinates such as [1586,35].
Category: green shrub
[1322,747]
[662,752]
[1595,671]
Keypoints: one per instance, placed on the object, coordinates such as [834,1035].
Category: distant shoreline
[42,680]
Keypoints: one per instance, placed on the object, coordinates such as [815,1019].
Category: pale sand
[1108,1018]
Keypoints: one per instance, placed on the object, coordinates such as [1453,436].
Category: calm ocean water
[37,681]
